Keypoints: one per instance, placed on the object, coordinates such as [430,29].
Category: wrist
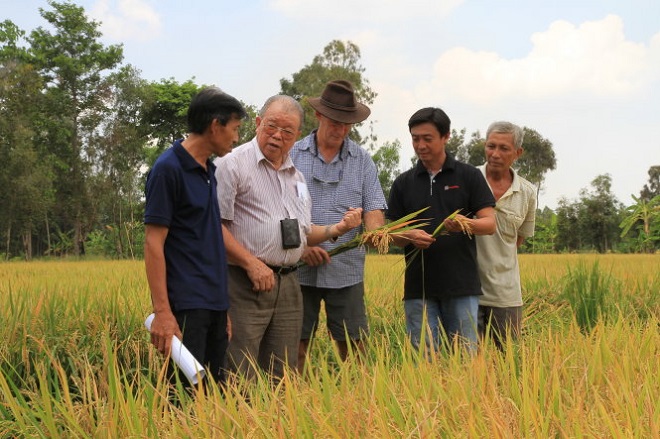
[162,310]
[330,235]
[339,230]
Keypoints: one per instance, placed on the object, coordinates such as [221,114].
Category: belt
[283,270]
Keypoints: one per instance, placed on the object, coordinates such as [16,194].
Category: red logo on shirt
[451,187]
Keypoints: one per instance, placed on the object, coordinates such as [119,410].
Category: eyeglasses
[271,129]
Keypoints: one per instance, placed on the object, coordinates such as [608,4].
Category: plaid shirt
[349,180]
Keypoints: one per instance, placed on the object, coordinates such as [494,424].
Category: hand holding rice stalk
[462,221]
[381,237]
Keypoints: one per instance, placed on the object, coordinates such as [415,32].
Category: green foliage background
[79,130]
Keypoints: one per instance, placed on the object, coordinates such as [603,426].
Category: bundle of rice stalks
[462,221]
[381,237]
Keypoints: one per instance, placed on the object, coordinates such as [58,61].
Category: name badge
[302,190]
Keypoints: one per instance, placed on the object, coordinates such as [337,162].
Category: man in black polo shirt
[441,283]
[184,251]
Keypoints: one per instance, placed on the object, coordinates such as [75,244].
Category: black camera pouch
[290,233]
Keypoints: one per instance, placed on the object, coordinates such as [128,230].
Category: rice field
[76,362]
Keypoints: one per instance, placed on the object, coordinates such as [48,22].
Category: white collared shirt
[254,197]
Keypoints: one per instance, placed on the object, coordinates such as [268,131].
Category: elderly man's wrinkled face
[277,131]
[501,151]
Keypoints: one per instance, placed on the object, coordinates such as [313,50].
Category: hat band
[337,107]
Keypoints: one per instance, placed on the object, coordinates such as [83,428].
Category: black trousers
[205,335]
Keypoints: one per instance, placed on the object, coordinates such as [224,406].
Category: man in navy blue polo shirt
[184,251]
[442,286]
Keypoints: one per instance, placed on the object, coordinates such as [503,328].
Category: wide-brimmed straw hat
[339,104]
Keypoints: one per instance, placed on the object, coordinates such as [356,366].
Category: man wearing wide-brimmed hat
[340,174]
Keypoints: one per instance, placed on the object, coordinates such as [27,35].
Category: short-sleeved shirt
[448,268]
[181,195]
[254,197]
[497,254]
[349,180]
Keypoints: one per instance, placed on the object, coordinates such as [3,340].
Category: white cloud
[126,20]
[593,58]
[578,85]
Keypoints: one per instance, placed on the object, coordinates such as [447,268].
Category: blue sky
[584,73]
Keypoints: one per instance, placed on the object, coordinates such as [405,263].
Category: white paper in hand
[182,357]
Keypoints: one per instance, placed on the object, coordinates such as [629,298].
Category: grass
[76,362]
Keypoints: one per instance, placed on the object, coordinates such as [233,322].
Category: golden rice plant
[76,362]
[381,237]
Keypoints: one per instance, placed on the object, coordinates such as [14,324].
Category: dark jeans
[205,335]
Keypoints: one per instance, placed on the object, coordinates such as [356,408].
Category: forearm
[154,261]
[374,219]
[164,325]
[236,253]
[484,223]
[323,233]
[352,218]
[157,284]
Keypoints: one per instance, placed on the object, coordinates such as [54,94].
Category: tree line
[79,129]
[596,222]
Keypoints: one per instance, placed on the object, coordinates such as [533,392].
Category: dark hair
[432,115]
[212,103]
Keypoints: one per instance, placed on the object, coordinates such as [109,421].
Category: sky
[585,74]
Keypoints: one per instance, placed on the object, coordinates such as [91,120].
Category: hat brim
[357,116]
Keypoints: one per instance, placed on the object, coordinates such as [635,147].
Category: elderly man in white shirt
[266,219]
[500,307]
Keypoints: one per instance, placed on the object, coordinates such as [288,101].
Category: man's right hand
[417,237]
[262,277]
[163,327]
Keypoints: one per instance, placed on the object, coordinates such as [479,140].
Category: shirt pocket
[508,224]
[348,196]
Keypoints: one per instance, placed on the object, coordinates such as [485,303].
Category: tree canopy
[79,129]
[341,60]
[652,188]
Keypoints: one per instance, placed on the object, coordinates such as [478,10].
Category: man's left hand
[352,218]
[315,256]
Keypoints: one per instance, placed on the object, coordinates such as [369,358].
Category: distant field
[75,361]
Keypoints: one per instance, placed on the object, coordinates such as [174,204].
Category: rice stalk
[381,237]
[466,228]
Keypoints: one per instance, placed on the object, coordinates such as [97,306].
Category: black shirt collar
[449,165]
